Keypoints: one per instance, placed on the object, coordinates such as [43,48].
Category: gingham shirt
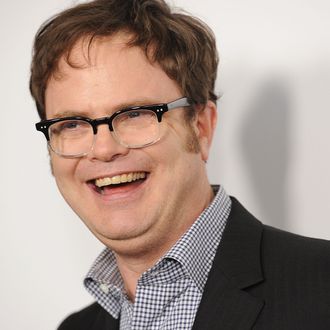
[168,294]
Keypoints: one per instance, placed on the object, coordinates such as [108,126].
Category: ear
[206,120]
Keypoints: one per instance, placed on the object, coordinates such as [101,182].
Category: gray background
[271,148]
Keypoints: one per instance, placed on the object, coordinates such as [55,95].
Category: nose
[106,148]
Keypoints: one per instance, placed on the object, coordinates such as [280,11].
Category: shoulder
[288,273]
[277,246]
[82,319]
[296,285]
[296,264]
[281,247]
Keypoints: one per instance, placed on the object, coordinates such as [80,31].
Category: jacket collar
[236,266]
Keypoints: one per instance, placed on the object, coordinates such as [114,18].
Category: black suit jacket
[261,278]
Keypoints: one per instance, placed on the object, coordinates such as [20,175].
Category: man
[125,93]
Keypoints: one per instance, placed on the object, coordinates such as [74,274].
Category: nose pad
[105,147]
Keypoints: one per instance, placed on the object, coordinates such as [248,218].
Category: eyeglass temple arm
[183,102]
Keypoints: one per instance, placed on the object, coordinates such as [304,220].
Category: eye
[133,114]
[70,127]
[70,124]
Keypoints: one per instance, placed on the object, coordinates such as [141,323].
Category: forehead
[89,52]
[104,74]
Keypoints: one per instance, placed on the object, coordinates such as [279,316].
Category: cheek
[183,133]
[63,170]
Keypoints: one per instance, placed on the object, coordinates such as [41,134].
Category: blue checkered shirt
[168,294]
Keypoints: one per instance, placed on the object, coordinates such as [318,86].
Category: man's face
[151,213]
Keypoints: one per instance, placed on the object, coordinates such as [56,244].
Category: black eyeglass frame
[158,109]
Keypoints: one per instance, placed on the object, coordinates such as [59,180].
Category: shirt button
[104,288]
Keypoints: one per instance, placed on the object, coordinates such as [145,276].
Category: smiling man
[125,93]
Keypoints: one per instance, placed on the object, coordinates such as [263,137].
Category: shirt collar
[105,269]
[196,249]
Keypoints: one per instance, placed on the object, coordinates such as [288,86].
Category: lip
[125,192]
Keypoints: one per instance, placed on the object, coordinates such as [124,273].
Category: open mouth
[118,182]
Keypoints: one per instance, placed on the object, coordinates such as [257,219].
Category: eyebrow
[70,113]
[122,106]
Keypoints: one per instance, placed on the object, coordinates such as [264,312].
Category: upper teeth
[117,179]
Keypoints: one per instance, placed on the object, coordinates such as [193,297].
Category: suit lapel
[225,304]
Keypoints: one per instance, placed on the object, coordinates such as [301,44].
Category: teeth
[117,179]
[123,178]
[142,175]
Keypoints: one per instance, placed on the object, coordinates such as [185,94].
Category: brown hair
[183,46]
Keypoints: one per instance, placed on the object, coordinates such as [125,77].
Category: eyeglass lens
[71,137]
[133,129]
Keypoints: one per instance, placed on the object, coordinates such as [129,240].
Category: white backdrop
[271,148]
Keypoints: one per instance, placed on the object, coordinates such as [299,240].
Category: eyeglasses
[133,127]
